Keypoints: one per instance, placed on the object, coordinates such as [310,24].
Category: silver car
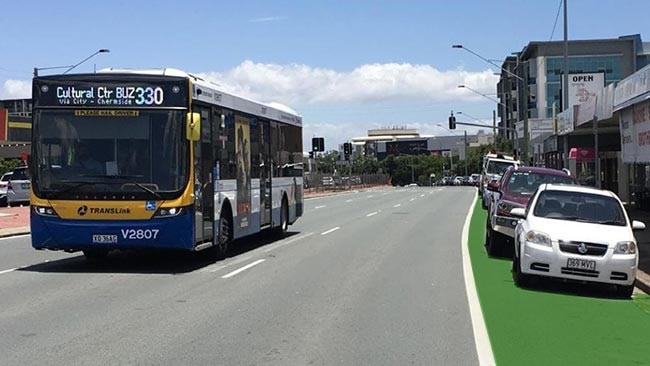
[18,187]
[4,182]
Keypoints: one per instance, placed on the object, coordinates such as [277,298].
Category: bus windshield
[110,154]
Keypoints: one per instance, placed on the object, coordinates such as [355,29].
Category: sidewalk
[643,243]
[14,221]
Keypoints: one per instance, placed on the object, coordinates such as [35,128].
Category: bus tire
[225,234]
[95,254]
[284,219]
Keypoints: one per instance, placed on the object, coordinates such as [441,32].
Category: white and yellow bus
[138,159]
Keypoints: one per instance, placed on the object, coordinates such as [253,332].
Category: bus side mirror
[193,126]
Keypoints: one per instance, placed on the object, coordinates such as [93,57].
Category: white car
[576,233]
[4,182]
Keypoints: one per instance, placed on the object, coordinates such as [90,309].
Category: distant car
[577,233]
[515,190]
[4,182]
[18,186]
[474,179]
[413,185]
[494,165]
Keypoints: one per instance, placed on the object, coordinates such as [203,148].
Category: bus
[158,159]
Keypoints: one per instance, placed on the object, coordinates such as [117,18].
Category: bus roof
[209,92]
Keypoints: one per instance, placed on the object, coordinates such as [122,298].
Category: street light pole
[523,80]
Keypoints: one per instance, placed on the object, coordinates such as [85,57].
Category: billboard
[635,133]
[584,87]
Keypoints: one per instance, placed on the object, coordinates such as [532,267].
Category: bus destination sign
[110,94]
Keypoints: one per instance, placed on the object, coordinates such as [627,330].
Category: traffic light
[318,144]
[347,148]
[452,122]
[311,154]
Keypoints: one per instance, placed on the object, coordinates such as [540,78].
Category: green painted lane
[555,323]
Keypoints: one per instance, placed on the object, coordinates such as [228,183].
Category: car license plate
[578,263]
[104,239]
[24,185]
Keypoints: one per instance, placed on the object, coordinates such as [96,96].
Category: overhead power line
[557,16]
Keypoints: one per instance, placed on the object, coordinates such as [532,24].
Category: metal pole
[412,172]
[494,128]
[466,153]
[565,87]
[596,153]
[525,86]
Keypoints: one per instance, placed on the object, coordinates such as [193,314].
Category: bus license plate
[104,239]
[578,263]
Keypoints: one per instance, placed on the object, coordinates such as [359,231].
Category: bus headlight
[168,211]
[45,211]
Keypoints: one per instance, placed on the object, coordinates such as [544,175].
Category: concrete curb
[642,281]
[14,231]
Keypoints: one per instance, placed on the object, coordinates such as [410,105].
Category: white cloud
[16,89]
[297,84]
[266,19]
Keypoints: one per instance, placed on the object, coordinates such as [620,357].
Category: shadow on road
[153,262]
[573,288]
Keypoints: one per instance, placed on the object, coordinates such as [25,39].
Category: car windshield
[527,183]
[498,167]
[579,206]
[5,177]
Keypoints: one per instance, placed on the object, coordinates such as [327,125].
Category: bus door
[265,173]
[203,184]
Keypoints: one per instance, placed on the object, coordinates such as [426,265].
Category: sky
[345,66]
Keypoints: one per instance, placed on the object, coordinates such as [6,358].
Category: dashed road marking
[330,230]
[242,269]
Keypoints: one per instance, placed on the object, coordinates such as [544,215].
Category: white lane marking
[217,267]
[372,214]
[317,207]
[439,190]
[289,241]
[330,230]
[242,269]
[397,205]
[14,237]
[481,337]
[371,196]
[421,195]
[8,270]
[412,199]
[349,200]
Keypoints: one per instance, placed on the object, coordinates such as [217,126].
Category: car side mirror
[519,213]
[493,186]
[638,225]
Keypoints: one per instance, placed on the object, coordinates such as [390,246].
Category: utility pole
[494,129]
[466,160]
[565,87]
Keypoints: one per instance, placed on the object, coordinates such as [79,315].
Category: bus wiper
[127,179]
[76,184]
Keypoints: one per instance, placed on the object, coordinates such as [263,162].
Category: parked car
[577,233]
[4,182]
[327,181]
[18,186]
[495,164]
[514,190]
[474,179]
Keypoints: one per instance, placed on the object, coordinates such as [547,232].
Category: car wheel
[494,244]
[624,292]
[521,279]
[225,235]
[95,254]
[488,232]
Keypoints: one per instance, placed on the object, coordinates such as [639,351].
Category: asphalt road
[368,278]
